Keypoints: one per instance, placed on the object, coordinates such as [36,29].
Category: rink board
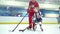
[15,20]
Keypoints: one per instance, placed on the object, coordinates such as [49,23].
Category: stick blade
[11,30]
[21,30]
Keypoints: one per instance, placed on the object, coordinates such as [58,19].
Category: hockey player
[37,19]
[32,8]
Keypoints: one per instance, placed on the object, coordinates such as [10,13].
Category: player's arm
[40,13]
[29,7]
[36,8]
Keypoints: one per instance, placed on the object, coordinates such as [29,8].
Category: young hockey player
[37,19]
[33,7]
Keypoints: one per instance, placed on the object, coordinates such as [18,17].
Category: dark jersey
[37,17]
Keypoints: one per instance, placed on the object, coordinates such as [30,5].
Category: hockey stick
[17,24]
[27,27]
[23,29]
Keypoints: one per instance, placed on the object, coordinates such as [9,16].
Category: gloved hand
[27,10]
[35,10]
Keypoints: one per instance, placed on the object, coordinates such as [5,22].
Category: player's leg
[40,24]
[30,20]
[30,23]
[35,22]
[35,27]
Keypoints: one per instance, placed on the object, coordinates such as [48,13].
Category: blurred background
[12,11]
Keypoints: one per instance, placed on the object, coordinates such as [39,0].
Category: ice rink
[14,11]
[48,29]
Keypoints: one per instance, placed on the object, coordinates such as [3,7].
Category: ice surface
[48,29]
